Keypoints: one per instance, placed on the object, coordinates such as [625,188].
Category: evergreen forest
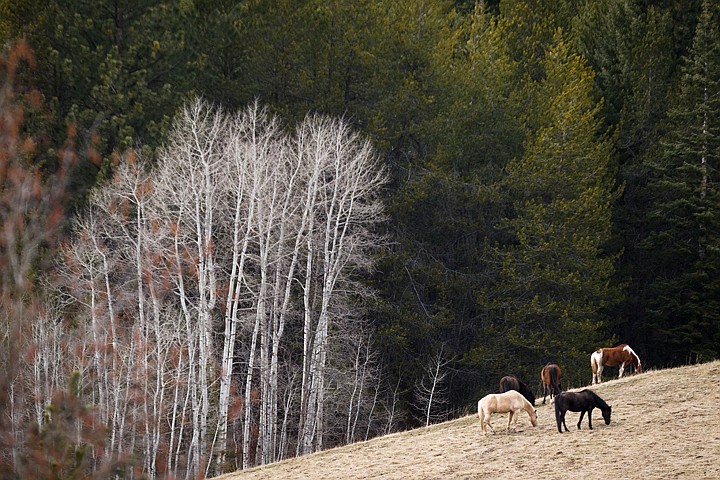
[237,231]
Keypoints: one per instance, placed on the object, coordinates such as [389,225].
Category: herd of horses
[515,396]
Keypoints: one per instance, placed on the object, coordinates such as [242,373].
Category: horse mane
[526,392]
[601,403]
[527,406]
[522,388]
[633,354]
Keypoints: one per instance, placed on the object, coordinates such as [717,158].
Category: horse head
[638,367]
[636,363]
[606,415]
[533,417]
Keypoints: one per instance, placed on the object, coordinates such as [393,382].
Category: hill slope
[665,424]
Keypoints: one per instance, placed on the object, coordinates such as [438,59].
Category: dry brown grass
[665,424]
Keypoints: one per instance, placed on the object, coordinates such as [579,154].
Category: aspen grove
[217,313]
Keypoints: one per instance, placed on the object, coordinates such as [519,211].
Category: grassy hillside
[665,424]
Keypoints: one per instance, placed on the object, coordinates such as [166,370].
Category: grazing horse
[584,401]
[511,401]
[550,376]
[619,356]
[511,382]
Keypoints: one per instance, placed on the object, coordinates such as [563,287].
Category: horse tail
[554,377]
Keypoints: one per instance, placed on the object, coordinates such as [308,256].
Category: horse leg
[558,418]
[487,421]
[544,392]
[595,366]
[510,417]
[622,369]
[590,419]
[599,373]
[582,414]
[563,421]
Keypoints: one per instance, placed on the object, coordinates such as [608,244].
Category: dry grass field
[665,424]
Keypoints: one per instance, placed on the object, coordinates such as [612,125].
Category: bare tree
[188,178]
[111,270]
[345,181]
[241,209]
[185,279]
[431,393]
[258,161]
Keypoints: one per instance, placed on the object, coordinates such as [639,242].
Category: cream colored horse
[510,401]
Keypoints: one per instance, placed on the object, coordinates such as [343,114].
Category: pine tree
[682,249]
[556,276]
[116,71]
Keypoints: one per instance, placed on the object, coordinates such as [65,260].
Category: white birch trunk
[241,239]
[243,209]
[343,165]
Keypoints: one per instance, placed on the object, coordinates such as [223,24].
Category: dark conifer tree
[557,274]
[682,249]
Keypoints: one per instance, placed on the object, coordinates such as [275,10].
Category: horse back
[513,400]
[502,402]
[568,401]
[577,401]
[509,382]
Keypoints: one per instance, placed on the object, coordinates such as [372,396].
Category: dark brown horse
[619,356]
[584,401]
[550,376]
[511,382]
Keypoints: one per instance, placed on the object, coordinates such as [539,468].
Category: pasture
[665,424]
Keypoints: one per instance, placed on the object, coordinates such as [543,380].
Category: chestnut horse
[619,356]
[584,401]
[511,401]
[511,382]
[550,376]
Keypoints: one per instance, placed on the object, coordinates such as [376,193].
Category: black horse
[584,401]
[511,382]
